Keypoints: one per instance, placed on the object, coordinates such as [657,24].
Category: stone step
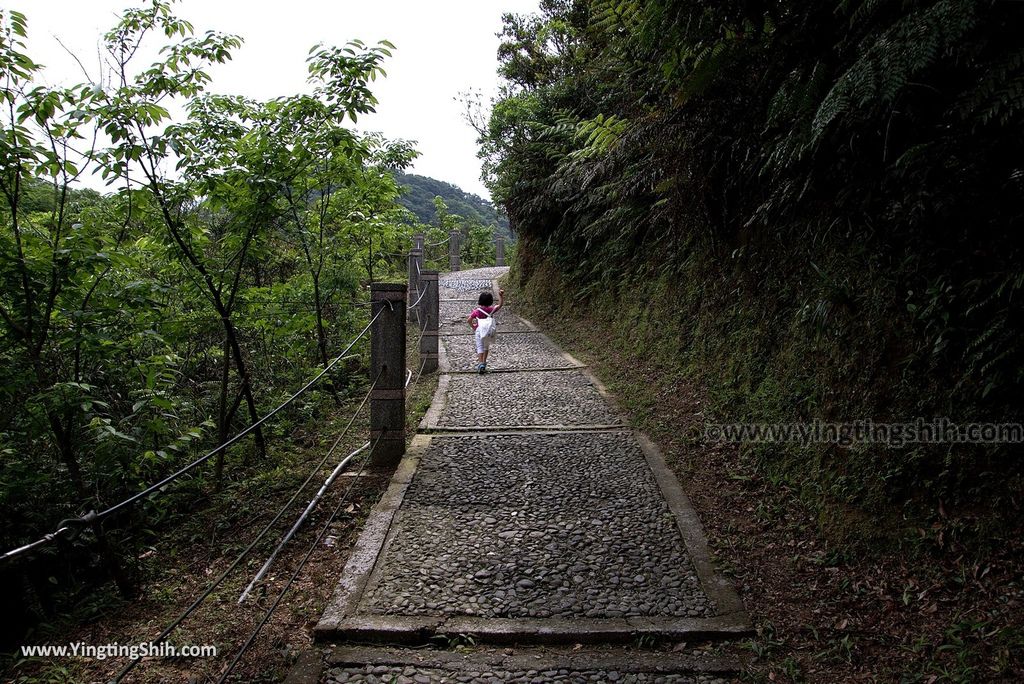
[572,537]
[475,665]
[540,400]
[525,513]
[510,351]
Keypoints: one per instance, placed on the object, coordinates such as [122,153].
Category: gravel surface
[472,279]
[546,398]
[535,525]
[407,674]
[468,283]
[509,351]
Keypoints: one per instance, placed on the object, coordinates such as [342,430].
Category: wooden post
[454,263]
[499,250]
[387,364]
[431,318]
[415,265]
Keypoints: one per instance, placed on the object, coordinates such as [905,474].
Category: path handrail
[69,524]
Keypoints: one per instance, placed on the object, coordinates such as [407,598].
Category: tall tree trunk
[66,450]
[321,336]
[243,374]
[222,416]
[175,229]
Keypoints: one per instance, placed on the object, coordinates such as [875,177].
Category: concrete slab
[610,659]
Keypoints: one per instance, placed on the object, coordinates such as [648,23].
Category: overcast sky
[443,48]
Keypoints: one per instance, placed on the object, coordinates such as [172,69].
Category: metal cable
[423,329]
[298,569]
[421,296]
[92,516]
[312,504]
[298,523]
[419,374]
[252,545]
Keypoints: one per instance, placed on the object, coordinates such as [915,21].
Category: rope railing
[68,525]
[418,299]
[366,449]
[419,373]
[298,523]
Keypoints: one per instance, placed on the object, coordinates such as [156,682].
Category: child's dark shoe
[481,368]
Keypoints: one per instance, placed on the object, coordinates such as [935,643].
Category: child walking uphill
[484,327]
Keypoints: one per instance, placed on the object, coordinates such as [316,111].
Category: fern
[892,59]
[598,135]
[999,95]
[615,15]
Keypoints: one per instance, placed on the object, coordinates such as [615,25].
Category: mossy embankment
[857,563]
[758,339]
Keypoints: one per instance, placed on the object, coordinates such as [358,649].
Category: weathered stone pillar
[499,250]
[454,263]
[431,318]
[387,365]
[417,241]
[415,265]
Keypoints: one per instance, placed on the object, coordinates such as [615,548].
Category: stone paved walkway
[526,511]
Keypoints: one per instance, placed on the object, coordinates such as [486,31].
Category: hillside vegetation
[142,326]
[807,210]
[418,193]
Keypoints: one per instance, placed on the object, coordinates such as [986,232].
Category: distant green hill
[420,192]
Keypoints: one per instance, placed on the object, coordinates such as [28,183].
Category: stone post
[387,364]
[499,250]
[417,241]
[454,263]
[415,264]
[431,318]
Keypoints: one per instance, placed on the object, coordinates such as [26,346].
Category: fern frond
[907,48]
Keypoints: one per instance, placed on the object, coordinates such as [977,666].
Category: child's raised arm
[501,301]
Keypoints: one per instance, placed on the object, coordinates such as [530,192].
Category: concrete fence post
[417,241]
[415,265]
[454,263]
[431,318]
[387,364]
[499,250]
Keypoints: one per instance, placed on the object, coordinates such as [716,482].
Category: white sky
[444,47]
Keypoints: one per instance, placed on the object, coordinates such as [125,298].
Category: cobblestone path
[526,512]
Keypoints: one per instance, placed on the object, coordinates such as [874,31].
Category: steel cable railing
[262,533]
[291,580]
[66,526]
[366,447]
